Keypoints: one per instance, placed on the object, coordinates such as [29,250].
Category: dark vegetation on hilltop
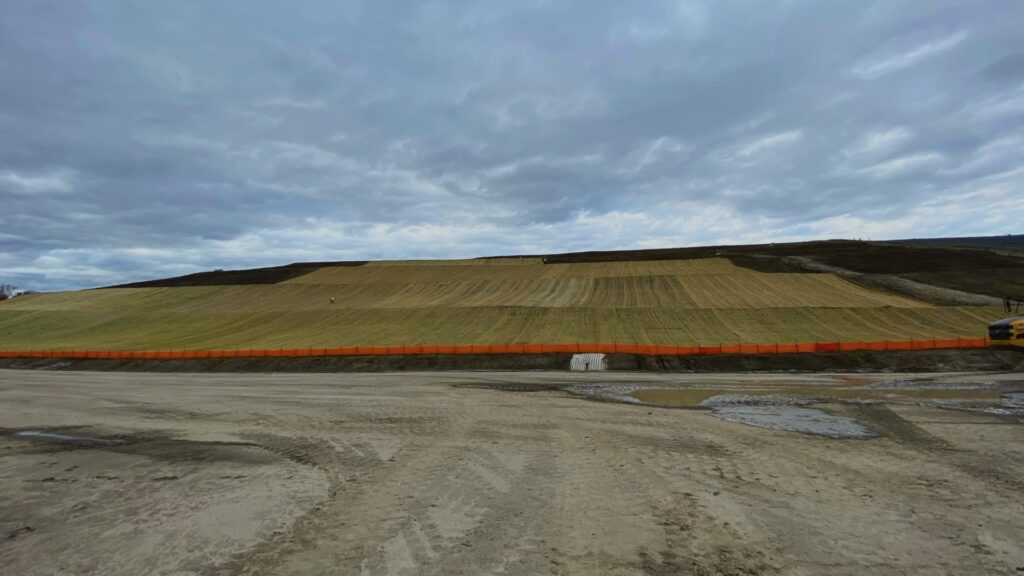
[965,266]
[984,265]
[271,275]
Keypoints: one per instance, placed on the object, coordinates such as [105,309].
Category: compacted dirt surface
[508,473]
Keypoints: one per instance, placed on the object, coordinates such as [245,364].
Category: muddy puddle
[701,396]
[791,408]
[795,419]
[59,438]
[785,404]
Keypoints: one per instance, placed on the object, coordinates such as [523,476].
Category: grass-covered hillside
[489,301]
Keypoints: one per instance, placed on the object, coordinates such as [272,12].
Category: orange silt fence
[974,342]
[922,344]
[873,346]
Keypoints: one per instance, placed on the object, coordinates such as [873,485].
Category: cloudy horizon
[148,140]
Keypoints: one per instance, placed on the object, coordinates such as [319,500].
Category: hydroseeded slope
[499,301]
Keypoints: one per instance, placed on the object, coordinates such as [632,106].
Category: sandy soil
[458,473]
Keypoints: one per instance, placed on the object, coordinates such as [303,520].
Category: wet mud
[842,362]
[780,406]
[512,473]
[795,419]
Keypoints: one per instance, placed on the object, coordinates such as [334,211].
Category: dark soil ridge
[976,270]
[903,361]
[969,265]
[272,275]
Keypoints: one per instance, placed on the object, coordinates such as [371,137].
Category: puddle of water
[676,396]
[698,396]
[794,419]
[757,400]
[1012,405]
[66,439]
[1014,400]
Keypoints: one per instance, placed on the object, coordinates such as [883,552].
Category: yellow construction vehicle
[1010,330]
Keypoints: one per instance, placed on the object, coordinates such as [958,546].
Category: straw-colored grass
[503,301]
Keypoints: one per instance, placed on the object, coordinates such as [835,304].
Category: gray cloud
[138,140]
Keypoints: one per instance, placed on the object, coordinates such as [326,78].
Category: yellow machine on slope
[1010,330]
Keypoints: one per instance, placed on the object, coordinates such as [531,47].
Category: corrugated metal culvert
[584,362]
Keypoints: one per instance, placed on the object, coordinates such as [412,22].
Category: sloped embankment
[517,300]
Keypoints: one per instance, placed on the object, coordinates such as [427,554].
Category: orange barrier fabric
[604,348]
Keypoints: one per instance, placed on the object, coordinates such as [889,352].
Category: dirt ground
[490,472]
[984,359]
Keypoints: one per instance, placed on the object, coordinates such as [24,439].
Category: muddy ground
[513,473]
[985,359]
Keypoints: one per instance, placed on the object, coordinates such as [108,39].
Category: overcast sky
[147,139]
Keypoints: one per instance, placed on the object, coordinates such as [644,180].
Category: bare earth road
[133,473]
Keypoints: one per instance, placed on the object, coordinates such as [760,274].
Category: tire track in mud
[503,514]
[693,539]
[993,469]
[887,423]
[344,462]
[744,518]
[431,504]
[479,506]
[835,500]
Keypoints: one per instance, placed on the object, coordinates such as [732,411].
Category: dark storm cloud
[142,139]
